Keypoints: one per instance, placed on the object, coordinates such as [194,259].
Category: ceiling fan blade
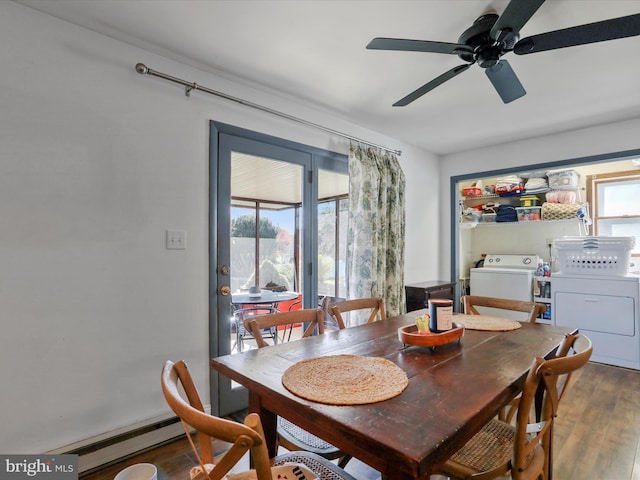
[431,85]
[505,81]
[417,46]
[611,29]
[517,13]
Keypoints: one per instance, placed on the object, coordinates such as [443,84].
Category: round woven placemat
[345,379]
[486,322]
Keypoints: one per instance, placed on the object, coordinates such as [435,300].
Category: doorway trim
[319,159]
[453,192]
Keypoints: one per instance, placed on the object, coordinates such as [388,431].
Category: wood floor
[597,434]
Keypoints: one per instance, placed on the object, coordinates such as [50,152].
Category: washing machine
[505,276]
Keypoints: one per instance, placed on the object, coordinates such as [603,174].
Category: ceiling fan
[492,35]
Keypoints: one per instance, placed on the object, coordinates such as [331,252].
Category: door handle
[225,290]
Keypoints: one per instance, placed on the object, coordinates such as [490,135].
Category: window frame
[592,184]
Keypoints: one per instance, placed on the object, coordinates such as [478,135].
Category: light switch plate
[176,240]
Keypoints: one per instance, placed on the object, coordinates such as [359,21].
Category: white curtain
[375,252]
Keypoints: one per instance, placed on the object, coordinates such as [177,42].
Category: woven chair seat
[323,468]
[303,438]
[525,449]
[489,448]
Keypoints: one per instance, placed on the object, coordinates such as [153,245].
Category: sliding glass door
[265,236]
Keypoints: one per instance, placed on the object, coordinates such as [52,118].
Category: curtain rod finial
[141,68]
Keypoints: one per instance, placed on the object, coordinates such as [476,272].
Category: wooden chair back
[244,314]
[545,385]
[247,437]
[534,309]
[313,318]
[375,304]
[524,450]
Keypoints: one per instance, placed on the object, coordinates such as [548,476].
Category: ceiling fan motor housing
[486,51]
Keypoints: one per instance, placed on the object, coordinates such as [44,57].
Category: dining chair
[571,345]
[523,450]
[290,436]
[243,437]
[374,304]
[323,302]
[507,414]
[247,313]
[311,319]
[533,309]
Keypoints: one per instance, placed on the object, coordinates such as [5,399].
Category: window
[615,200]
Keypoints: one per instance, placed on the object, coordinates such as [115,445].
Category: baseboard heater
[103,450]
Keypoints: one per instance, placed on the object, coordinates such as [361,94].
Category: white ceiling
[315,50]
[278,184]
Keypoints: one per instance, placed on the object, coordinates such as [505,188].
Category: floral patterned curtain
[375,252]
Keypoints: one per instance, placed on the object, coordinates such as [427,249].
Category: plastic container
[529,201]
[471,192]
[594,255]
[139,471]
[563,179]
[559,196]
[489,217]
[528,214]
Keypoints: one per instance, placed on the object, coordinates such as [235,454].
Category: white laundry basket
[594,255]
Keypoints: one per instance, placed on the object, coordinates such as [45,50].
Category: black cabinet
[418,294]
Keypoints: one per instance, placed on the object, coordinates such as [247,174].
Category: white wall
[96,163]
[601,140]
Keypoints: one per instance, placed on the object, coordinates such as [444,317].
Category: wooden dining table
[454,389]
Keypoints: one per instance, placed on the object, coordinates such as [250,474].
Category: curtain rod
[142,69]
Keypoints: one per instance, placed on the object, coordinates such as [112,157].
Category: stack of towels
[536,185]
[509,184]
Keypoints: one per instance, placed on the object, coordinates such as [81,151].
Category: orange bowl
[410,335]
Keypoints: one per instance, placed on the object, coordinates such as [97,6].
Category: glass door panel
[264,233]
[333,190]
[263,250]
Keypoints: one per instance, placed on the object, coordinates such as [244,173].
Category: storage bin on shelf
[563,179]
[561,196]
[471,192]
[529,201]
[594,255]
[471,216]
[489,217]
[527,214]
